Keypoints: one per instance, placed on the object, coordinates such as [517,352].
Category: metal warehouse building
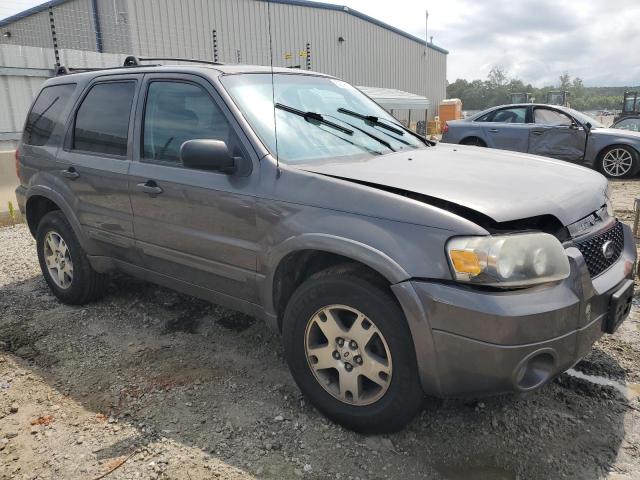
[316,36]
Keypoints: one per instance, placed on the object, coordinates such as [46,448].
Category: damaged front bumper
[477,342]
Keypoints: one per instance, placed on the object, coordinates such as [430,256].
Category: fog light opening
[534,371]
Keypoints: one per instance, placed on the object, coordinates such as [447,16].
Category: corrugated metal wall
[31,31]
[23,71]
[370,55]
[115,26]
[75,27]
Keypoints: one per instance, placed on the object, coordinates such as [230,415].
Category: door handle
[537,132]
[494,130]
[150,187]
[71,173]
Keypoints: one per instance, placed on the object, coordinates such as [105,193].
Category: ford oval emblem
[608,250]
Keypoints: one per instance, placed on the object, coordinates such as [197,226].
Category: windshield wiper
[371,119]
[370,135]
[378,122]
[317,118]
[313,117]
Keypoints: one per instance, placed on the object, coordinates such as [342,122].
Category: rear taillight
[17,163]
[445,129]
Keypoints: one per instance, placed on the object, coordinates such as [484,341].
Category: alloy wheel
[348,355]
[58,260]
[617,162]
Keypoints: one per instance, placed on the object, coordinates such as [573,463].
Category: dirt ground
[158,385]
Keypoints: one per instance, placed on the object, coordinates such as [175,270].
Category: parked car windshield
[584,118]
[316,118]
[632,124]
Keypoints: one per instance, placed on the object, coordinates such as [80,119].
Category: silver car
[551,131]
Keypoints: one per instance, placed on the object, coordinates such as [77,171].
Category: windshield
[631,124]
[316,118]
[584,118]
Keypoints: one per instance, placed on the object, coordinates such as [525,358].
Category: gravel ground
[148,383]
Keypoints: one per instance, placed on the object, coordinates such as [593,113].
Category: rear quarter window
[46,113]
[485,118]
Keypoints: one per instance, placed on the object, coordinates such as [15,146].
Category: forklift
[558,98]
[630,105]
[521,98]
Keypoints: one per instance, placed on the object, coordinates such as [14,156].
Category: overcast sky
[535,40]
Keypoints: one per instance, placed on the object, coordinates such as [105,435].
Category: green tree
[498,76]
[577,87]
[498,87]
[565,81]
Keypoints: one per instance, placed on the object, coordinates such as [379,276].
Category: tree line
[498,87]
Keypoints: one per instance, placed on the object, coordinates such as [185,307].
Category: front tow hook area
[619,307]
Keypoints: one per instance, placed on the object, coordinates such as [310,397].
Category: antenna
[273,88]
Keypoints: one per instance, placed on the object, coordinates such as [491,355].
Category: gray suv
[391,267]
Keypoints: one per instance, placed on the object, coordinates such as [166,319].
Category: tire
[473,141]
[373,409]
[81,283]
[618,161]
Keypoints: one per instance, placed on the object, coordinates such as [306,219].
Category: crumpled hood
[502,185]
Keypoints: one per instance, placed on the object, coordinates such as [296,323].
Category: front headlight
[517,260]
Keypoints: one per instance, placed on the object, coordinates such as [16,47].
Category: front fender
[357,251]
[598,144]
[397,276]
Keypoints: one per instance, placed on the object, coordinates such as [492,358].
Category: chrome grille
[592,249]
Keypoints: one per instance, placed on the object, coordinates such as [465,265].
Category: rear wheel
[64,264]
[350,351]
[474,142]
[619,162]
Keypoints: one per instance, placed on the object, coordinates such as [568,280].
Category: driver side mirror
[211,155]
[588,126]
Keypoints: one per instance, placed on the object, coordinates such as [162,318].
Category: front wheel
[619,162]
[350,351]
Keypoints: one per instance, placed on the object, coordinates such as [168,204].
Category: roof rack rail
[133,61]
[62,70]
[129,62]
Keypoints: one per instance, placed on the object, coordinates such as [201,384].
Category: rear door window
[510,115]
[46,113]
[102,121]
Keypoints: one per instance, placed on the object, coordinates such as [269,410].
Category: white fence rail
[22,72]
[8,183]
